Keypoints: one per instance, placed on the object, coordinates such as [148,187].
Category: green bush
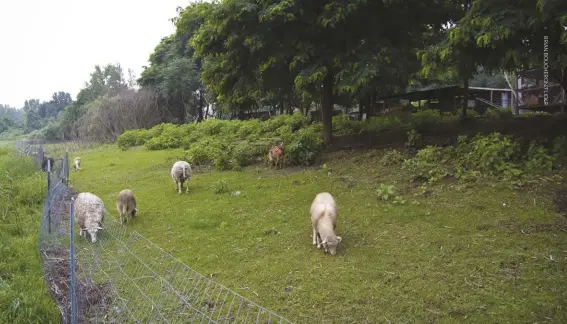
[343,125]
[380,124]
[498,113]
[414,138]
[135,137]
[305,146]
[392,157]
[170,137]
[493,157]
[430,163]
[425,120]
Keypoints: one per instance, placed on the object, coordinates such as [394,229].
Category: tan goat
[126,205]
[276,155]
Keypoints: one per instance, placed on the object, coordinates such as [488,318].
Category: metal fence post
[72,292]
[67,169]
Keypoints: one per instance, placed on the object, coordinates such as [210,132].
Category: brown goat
[276,155]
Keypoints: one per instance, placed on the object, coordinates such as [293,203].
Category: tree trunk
[361,107]
[201,104]
[465,96]
[241,114]
[373,105]
[282,109]
[563,82]
[327,108]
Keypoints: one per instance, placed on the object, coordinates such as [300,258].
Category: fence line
[124,277]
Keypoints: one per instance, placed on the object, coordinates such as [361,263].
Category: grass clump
[24,296]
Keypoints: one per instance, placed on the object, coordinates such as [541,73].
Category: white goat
[77,164]
[324,214]
[89,214]
[181,172]
[126,205]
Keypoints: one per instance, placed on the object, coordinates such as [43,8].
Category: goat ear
[99,228]
[339,239]
[324,241]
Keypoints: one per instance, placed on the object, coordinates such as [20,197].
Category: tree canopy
[238,56]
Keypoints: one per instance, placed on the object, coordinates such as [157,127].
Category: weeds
[24,296]
[220,187]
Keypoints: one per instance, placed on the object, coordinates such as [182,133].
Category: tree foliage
[522,33]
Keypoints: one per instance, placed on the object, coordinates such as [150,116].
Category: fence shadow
[123,277]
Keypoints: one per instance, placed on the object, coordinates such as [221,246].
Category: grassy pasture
[476,253]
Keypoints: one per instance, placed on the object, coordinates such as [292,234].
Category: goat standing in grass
[181,172]
[324,214]
[276,155]
[77,164]
[126,205]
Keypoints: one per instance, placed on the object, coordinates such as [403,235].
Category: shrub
[170,137]
[220,187]
[380,124]
[498,113]
[343,125]
[414,139]
[425,120]
[392,157]
[133,137]
[295,121]
[493,156]
[305,146]
[538,159]
[430,163]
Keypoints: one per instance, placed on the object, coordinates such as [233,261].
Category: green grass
[24,297]
[460,253]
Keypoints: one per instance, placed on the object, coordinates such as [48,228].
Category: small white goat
[126,205]
[181,172]
[324,214]
[89,214]
[77,164]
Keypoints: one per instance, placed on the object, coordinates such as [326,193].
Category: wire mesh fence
[123,277]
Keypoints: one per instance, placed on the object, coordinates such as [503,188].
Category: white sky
[53,45]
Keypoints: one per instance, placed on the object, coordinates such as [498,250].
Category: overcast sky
[53,45]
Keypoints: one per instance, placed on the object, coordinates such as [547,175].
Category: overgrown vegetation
[494,157]
[24,297]
[232,144]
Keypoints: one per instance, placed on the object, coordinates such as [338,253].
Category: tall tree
[453,53]
[317,44]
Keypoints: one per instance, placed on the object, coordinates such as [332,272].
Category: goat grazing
[324,214]
[181,172]
[126,205]
[77,164]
